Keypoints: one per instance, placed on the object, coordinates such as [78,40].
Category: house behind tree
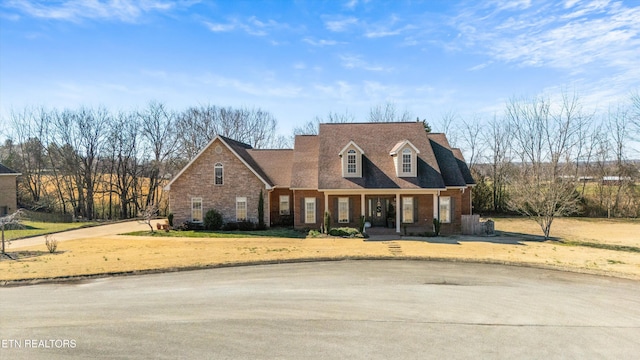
[394,174]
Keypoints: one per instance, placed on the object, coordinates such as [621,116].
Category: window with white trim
[196,210]
[406,160]
[241,208]
[351,162]
[309,210]
[343,210]
[445,209]
[219,174]
[284,205]
[407,210]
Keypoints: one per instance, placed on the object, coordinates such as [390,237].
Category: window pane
[351,162]
[343,210]
[445,209]
[241,208]
[310,210]
[407,209]
[406,161]
[196,209]
[218,174]
[284,204]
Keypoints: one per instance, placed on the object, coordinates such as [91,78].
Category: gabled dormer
[351,157]
[405,159]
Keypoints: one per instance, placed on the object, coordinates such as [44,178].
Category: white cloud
[356,62]
[252,26]
[77,10]
[320,42]
[340,24]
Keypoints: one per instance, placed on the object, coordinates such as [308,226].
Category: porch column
[398,212]
[362,206]
[326,206]
[436,208]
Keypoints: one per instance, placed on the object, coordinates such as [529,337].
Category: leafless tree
[312,127]
[148,214]
[158,124]
[389,112]
[471,139]
[497,138]
[6,221]
[544,138]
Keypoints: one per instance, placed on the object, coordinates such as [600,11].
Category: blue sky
[302,59]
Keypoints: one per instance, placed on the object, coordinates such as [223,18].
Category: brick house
[8,190]
[395,174]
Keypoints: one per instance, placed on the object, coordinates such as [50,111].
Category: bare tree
[5,221]
[311,127]
[158,130]
[148,214]
[389,112]
[544,138]
[472,140]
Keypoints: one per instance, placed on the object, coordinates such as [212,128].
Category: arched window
[351,162]
[406,160]
[219,174]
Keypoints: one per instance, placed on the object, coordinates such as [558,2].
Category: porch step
[394,248]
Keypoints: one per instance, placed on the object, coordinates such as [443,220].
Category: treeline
[542,157]
[99,164]
[550,157]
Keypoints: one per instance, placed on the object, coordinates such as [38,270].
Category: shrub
[361,224]
[213,220]
[230,226]
[245,226]
[344,232]
[314,233]
[436,226]
[170,219]
[327,222]
[261,224]
[188,225]
[52,244]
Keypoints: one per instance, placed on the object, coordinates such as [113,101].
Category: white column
[398,212]
[436,208]
[362,206]
[326,206]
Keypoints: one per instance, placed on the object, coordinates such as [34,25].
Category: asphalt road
[340,310]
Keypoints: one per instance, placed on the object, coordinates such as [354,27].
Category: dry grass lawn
[118,254]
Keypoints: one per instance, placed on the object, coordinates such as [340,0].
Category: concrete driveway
[86,233]
[331,310]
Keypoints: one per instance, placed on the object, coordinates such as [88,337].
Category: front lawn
[34,228]
[270,233]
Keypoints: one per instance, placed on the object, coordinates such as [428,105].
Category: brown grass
[117,254]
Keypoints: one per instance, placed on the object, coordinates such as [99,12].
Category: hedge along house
[393,174]
[8,191]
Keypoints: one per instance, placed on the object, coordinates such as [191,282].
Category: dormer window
[351,158]
[352,166]
[405,159]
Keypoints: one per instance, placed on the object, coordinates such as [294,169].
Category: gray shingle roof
[6,170]
[446,160]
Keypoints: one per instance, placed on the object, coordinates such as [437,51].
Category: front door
[379,212]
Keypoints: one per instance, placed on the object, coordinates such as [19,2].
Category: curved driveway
[347,309]
[85,233]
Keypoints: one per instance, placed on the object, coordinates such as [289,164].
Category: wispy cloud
[565,37]
[252,26]
[321,42]
[356,62]
[77,10]
[340,24]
